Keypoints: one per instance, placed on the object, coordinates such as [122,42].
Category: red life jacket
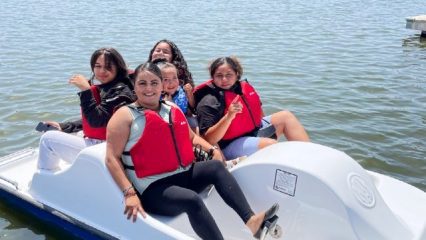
[251,116]
[202,90]
[244,122]
[92,132]
[163,147]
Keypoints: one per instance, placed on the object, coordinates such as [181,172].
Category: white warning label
[285,182]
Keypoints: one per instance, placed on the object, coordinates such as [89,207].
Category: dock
[417,23]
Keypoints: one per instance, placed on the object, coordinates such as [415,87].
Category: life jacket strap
[128,167]
[127,153]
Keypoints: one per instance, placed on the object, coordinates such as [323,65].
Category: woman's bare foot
[255,222]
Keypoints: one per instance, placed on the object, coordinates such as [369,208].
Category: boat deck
[21,162]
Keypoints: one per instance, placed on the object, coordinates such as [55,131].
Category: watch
[212,148]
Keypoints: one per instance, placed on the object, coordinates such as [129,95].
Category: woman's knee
[47,136]
[216,166]
[215,171]
[282,116]
[51,136]
[283,119]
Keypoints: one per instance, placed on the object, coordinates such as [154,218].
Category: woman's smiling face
[148,88]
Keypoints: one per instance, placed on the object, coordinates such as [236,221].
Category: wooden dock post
[417,23]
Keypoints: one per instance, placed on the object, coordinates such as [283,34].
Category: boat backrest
[87,193]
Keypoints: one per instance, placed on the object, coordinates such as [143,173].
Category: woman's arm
[71,127]
[118,132]
[216,132]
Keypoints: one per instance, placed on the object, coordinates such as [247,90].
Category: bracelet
[126,190]
[130,194]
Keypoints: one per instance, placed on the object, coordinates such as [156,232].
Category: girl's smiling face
[224,77]
[170,80]
[162,50]
[103,72]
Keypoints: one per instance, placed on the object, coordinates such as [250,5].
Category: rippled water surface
[349,70]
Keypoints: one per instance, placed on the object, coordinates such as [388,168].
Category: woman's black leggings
[175,194]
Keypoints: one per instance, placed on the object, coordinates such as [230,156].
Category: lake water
[349,70]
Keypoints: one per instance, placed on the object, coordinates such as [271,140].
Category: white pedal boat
[322,192]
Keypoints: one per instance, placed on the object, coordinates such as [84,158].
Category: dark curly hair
[184,74]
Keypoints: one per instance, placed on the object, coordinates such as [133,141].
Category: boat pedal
[276,232]
[269,227]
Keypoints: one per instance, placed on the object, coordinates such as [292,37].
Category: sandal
[268,223]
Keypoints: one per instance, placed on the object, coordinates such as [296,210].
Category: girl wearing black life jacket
[230,113]
[149,155]
[98,103]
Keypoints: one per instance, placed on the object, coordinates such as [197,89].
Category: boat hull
[323,194]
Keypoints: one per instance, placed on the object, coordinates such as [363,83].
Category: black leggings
[176,194]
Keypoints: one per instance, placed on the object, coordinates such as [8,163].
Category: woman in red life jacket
[230,113]
[149,154]
[98,103]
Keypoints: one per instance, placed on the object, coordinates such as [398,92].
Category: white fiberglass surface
[19,168]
